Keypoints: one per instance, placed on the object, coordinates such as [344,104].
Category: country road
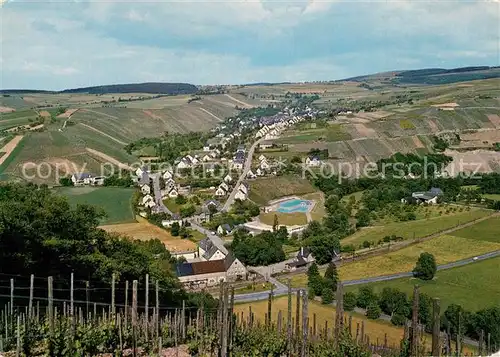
[246,168]
[281,290]
[157,192]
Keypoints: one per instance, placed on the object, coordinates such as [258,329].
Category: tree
[65,181]
[398,319]
[327,296]
[349,301]
[451,318]
[373,311]
[331,276]
[180,200]
[363,218]
[187,211]
[366,296]
[275,223]
[324,247]
[426,267]
[174,229]
[314,280]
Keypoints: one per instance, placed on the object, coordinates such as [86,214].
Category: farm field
[333,132]
[9,150]
[374,329]
[495,197]
[488,230]
[474,286]
[414,229]
[264,190]
[144,230]
[446,249]
[284,219]
[114,201]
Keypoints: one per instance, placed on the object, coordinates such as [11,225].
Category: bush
[366,244]
[366,297]
[398,319]
[65,181]
[349,301]
[373,311]
[327,296]
[426,267]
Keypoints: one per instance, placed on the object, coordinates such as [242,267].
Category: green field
[330,133]
[284,219]
[114,201]
[474,286]
[495,197]
[264,190]
[414,229]
[488,230]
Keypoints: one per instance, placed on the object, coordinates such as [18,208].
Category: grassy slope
[414,229]
[488,230]
[287,219]
[474,286]
[116,202]
[267,189]
[446,249]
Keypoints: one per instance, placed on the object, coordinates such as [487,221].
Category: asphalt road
[219,243]
[281,290]
[157,192]
[246,168]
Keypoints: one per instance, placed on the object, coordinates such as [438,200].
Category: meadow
[115,202]
[446,249]
[266,189]
[488,230]
[284,219]
[415,229]
[143,230]
[324,314]
[330,133]
[474,286]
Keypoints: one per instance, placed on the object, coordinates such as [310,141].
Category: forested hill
[153,88]
[150,87]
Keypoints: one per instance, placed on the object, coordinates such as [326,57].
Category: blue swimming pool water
[294,205]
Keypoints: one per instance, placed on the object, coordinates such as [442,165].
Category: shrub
[349,301]
[327,296]
[373,311]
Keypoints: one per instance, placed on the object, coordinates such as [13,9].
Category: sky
[67,44]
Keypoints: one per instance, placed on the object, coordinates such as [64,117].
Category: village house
[81,179]
[185,163]
[228,179]
[240,195]
[173,193]
[262,157]
[429,197]
[145,189]
[303,259]
[207,250]
[251,175]
[259,172]
[210,203]
[224,229]
[210,273]
[220,192]
[206,158]
[237,164]
[313,161]
[206,148]
[244,188]
[264,165]
[167,175]
[224,186]
[265,145]
[97,181]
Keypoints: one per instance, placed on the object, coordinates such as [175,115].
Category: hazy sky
[70,44]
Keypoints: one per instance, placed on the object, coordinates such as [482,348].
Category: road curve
[281,291]
[246,168]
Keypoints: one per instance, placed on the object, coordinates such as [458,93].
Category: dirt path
[213,115]
[109,159]
[9,147]
[246,105]
[103,133]
[106,115]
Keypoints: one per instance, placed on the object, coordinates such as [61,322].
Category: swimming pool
[294,205]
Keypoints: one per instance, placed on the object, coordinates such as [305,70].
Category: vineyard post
[458,346]
[18,333]
[71,295]
[224,324]
[157,302]
[289,319]
[448,340]
[350,325]
[11,298]
[481,342]
[231,320]
[113,277]
[250,320]
[436,324]
[278,323]
[385,342]
[120,333]
[314,326]
[220,309]
[147,302]
[297,323]
[357,331]
[87,299]
[183,321]
[269,307]
[30,306]
[362,332]
[134,317]
[414,322]
[339,316]
[326,331]
[51,307]
[304,325]
[488,346]
[126,304]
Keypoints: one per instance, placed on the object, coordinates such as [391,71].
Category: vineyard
[139,325]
